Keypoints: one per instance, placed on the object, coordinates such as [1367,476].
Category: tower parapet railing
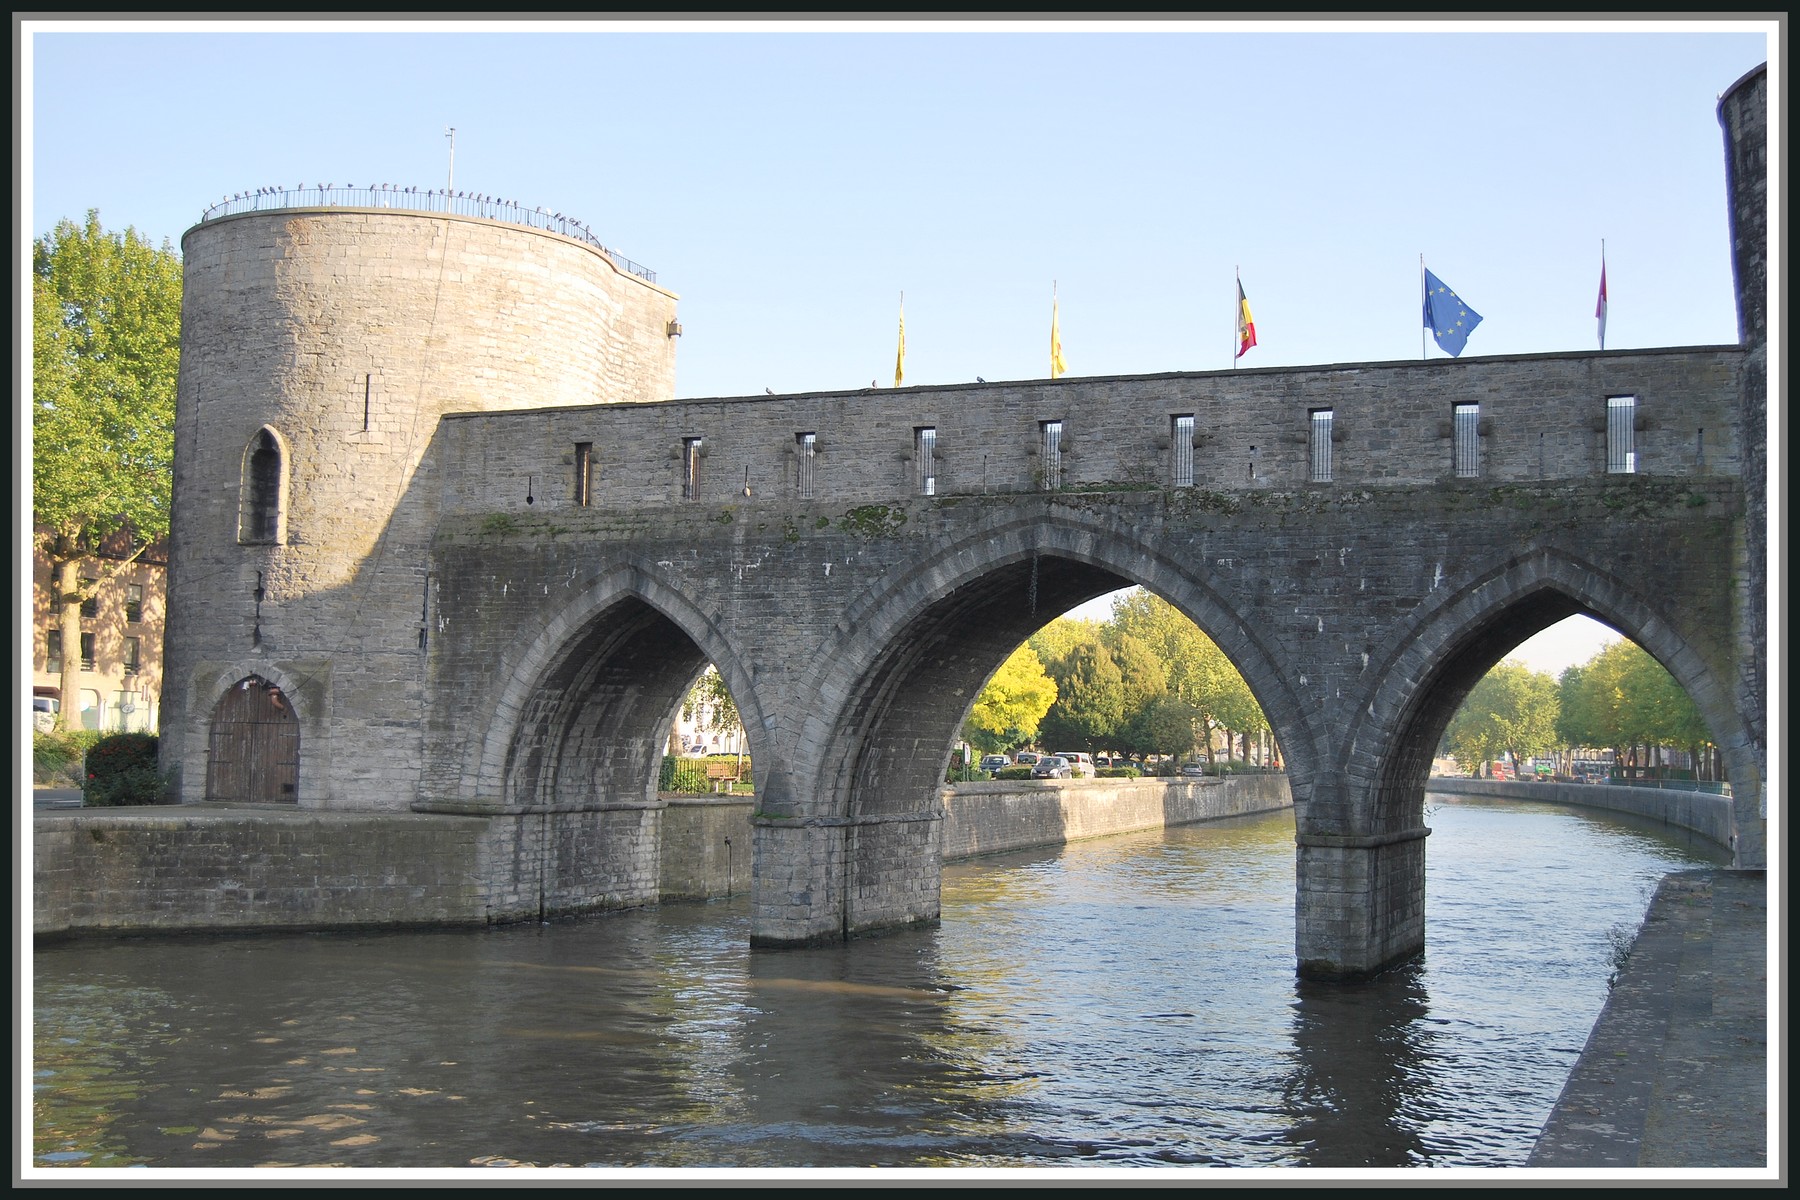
[415,199]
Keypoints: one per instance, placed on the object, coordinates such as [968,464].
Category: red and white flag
[1600,307]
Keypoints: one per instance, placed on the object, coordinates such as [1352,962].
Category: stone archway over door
[254,750]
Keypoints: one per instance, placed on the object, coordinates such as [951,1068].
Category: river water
[1129,1001]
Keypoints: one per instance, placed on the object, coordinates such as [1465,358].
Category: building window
[134,602]
[1465,425]
[87,651]
[53,652]
[690,468]
[1050,449]
[131,656]
[925,454]
[1181,451]
[806,448]
[584,473]
[90,608]
[263,494]
[1621,435]
[1320,439]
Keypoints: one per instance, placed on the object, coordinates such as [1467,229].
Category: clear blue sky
[790,183]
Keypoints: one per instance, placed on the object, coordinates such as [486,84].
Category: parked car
[996,762]
[1051,766]
[1193,770]
[1081,766]
[43,712]
[1027,758]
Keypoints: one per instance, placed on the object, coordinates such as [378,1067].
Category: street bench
[719,774]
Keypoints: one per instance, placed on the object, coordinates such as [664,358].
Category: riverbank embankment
[1676,1071]
[217,868]
[1700,813]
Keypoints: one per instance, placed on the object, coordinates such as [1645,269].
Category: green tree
[106,346]
[1513,708]
[1090,700]
[1623,698]
[709,704]
[1166,725]
[1198,673]
[1011,705]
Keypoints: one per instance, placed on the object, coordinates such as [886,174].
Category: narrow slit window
[806,448]
[1320,440]
[1621,435]
[1465,424]
[925,454]
[690,468]
[1050,450]
[259,515]
[584,473]
[1181,450]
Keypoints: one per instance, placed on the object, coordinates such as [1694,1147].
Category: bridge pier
[1359,904]
[821,879]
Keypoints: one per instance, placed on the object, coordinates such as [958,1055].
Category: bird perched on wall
[769,391]
[979,379]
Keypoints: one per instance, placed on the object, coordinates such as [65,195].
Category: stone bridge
[462,586]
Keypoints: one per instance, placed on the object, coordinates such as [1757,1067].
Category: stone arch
[253,745]
[1428,669]
[588,697]
[263,489]
[926,641]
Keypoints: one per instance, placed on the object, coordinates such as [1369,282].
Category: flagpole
[1423,301]
[1602,305]
[1237,314]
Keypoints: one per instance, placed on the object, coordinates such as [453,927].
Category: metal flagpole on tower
[450,180]
[1424,307]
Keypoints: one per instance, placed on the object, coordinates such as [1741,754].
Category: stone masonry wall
[1699,813]
[348,334]
[1004,815]
[1544,415]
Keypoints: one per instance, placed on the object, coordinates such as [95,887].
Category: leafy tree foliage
[1513,708]
[106,345]
[1623,697]
[1009,709]
[709,703]
[1090,700]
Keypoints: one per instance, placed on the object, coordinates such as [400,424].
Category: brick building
[121,638]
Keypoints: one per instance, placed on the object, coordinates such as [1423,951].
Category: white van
[43,713]
[1081,766]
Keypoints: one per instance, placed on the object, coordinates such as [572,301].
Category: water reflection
[1126,1001]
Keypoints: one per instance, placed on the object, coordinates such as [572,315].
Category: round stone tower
[320,348]
[1744,114]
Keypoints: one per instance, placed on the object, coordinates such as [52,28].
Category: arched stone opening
[263,490]
[592,730]
[1362,847]
[866,852]
[253,746]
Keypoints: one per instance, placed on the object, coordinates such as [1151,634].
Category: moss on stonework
[873,520]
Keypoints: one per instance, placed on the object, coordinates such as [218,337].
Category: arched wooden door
[254,751]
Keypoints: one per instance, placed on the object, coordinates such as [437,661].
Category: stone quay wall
[992,818]
[1700,813]
[202,868]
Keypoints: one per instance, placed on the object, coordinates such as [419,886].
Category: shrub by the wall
[56,757]
[121,770]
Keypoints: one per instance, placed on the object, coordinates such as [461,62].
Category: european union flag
[1449,318]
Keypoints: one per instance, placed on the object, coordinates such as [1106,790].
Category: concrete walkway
[1675,1073]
